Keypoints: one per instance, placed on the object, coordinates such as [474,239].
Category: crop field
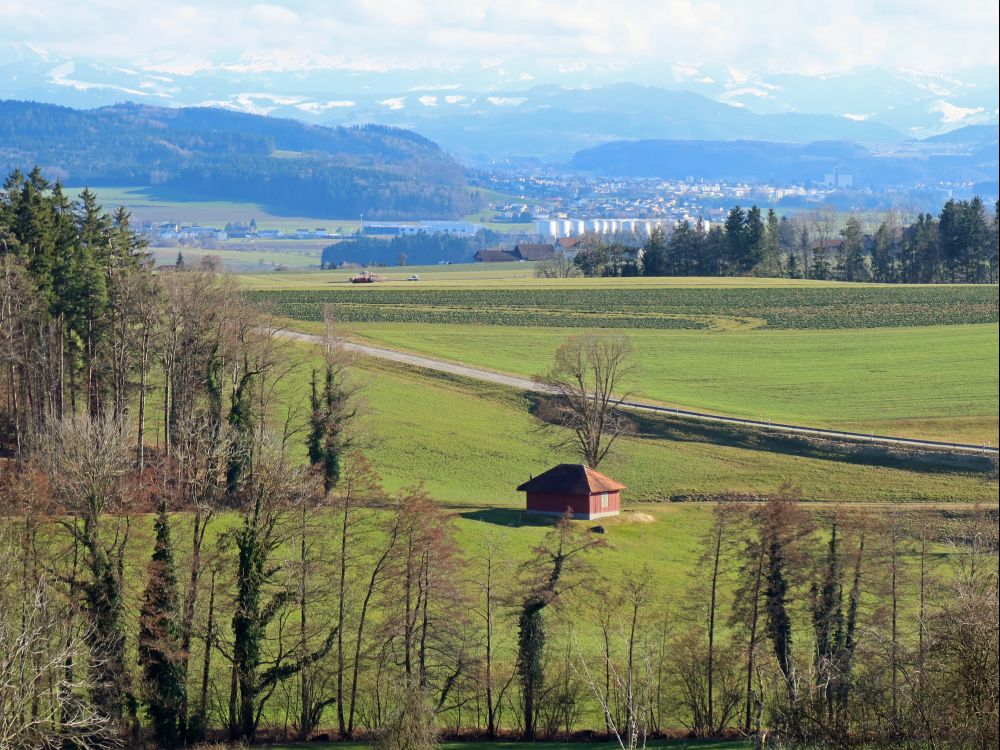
[670,308]
[512,276]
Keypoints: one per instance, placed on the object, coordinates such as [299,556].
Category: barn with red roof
[587,492]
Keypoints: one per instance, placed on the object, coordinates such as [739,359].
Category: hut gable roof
[533,251]
[571,479]
[494,254]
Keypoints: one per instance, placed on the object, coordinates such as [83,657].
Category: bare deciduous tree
[585,394]
[42,704]
[559,266]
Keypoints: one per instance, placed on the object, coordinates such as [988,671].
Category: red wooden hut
[589,493]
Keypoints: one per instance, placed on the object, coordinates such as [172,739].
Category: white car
[414,277]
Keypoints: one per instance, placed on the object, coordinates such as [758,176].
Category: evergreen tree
[159,638]
[736,236]
[654,255]
[884,255]
[754,240]
[771,256]
[854,267]
[792,267]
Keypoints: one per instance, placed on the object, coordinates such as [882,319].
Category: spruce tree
[160,654]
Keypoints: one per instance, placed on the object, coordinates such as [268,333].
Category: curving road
[527,384]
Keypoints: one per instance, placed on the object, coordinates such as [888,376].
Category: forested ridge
[200,582]
[285,165]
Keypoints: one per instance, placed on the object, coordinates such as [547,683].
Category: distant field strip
[656,308]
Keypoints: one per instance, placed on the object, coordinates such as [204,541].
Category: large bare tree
[585,393]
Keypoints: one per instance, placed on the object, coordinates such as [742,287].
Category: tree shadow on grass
[509,517]
[657,427]
[671,428]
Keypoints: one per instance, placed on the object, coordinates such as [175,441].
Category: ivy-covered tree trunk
[241,423]
[160,655]
[530,649]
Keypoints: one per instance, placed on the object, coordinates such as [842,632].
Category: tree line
[173,571]
[957,246]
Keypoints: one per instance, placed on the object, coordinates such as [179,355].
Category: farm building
[589,493]
[494,255]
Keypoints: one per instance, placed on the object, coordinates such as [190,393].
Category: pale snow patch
[506,101]
[318,107]
[952,113]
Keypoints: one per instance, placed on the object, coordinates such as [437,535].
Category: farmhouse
[533,251]
[589,493]
[494,255]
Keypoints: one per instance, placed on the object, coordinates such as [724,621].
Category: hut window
[604,499]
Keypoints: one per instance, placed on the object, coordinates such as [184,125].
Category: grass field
[162,204]
[264,255]
[936,381]
[704,745]
[158,204]
[473,443]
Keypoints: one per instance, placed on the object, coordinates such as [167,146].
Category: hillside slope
[962,158]
[287,165]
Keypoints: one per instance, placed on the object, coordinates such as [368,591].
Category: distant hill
[760,161]
[550,122]
[285,165]
[968,134]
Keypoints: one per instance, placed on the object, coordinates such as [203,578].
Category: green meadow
[472,443]
[162,204]
[482,745]
[937,382]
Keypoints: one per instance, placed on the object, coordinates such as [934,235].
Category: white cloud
[428,101]
[395,103]
[519,41]
[857,117]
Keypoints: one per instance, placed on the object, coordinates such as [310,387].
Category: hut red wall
[613,507]
[584,506]
[544,502]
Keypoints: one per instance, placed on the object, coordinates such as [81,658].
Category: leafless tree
[559,266]
[629,671]
[87,462]
[585,393]
[43,705]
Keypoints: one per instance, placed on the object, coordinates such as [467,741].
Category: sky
[531,40]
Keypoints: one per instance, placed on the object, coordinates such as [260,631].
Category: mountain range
[483,115]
